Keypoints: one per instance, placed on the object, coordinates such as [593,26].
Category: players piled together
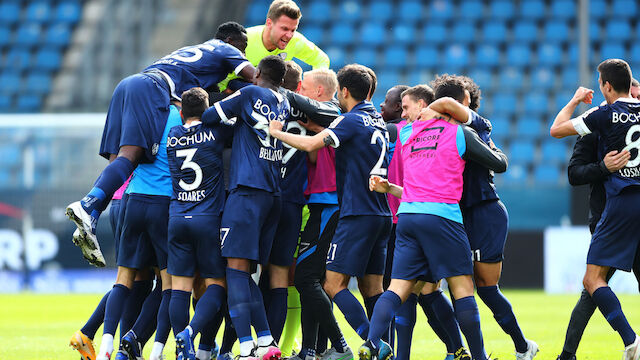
[317,143]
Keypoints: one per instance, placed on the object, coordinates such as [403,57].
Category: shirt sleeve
[584,166]
[235,60]
[341,130]
[309,53]
[224,111]
[589,121]
[478,123]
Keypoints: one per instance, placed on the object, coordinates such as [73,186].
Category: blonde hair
[325,77]
[283,7]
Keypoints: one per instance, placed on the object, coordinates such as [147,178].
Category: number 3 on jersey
[188,154]
[377,168]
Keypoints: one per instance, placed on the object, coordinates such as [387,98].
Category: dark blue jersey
[202,65]
[478,180]
[361,151]
[195,163]
[256,156]
[618,126]
[294,166]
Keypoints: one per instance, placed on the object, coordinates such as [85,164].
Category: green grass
[39,327]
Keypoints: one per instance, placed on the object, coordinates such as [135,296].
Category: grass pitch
[39,327]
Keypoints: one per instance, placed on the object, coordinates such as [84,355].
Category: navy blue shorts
[487,225]
[615,240]
[144,232]
[359,246]
[194,246]
[430,247]
[249,223]
[137,116]
[287,234]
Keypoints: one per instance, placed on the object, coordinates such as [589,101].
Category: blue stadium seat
[11,155]
[532,9]
[500,128]
[314,33]
[574,54]
[611,50]
[337,56]
[426,56]
[386,80]
[554,151]
[562,98]
[395,56]
[342,34]
[595,31]
[5,175]
[372,34]
[5,36]
[440,9]
[18,58]
[482,77]
[380,11]
[471,9]
[10,82]
[542,78]
[69,11]
[487,55]
[546,174]
[410,11]
[511,78]
[463,32]
[58,35]
[624,8]
[5,103]
[556,31]
[38,11]
[618,30]
[516,175]
[535,103]
[522,152]
[563,9]
[597,9]
[9,13]
[28,34]
[525,32]
[504,103]
[29,103]
[39,83]
[456,56]
[317,12]
[434,33]
[257,13]
[365,56]
[518,55]
[549,54]
[501,9]
[528,128]
[350,11]
[48,59]
[494,31]
[404,33]
[634,54]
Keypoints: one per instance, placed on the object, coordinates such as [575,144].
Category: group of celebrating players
[211,174]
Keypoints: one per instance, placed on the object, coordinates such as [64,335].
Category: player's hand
[615,160]
[584,95]
[378,184]
[311,126]
[275,126]
[428,114]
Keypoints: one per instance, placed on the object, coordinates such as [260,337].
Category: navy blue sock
[503,313]
[405,322]
[139,293]
[385,309]
[353,312]
[179,310]
[469,320]
[229,335]
[114,307]
[145,325]
[277,313]
[442,320]
[609,306]
[307,352]
[258,312]
[239,302]
[110,180]
[96,319]
[370,303]
[208,306]
[163,327]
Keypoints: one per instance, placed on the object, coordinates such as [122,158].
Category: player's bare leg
[336,286]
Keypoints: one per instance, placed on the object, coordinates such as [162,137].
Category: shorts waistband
[163,79]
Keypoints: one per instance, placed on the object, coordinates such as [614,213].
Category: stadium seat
[611,50]
[501,9]
[562,98]
[434,33]
[516,175]
[471,9]
[396,56]
[29,103]
[494,31]
[597,9]
[9,13]
[58,35]
[256,13]
[28,34]
[563,9]
[532,9]
[69,11]
[5,103]
[624,8]
[504,103]
[350,11]
[456,56]
[574,54]
[528,128]
[404,33]
[595,31]
[511,78]
[411,11]
[525,32]
[535,103]
[482,77]
[440,9]
[317,12]
[386,80]
[500,128]
[463,32]
[554,151]
[48,59]
[549,54]
[618,30]
[10,83]
[342,34]
[380,11]
[18,58]
[11,155]
[522,152]
[38,11]
[314,33]
[365,56]
[542,78]
[38,83]
[337,56]
[518,55]
[426,56]
[546,174]
[372,34]
[634,54]
[556,31]
[487,55]
[5,36]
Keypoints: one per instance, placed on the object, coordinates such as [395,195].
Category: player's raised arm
[223,111]
[478,151]
[300,142]
[562,125]
[450,106]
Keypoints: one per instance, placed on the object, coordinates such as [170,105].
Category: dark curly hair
[446,85]
[474,91]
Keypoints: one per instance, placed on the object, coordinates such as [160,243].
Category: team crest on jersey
[335,122]
[154,149]
[283,55]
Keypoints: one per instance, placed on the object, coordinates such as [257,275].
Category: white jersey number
[190,54]
[188,154]
[377,168]
[263,124]
[301,131]
[633,144]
